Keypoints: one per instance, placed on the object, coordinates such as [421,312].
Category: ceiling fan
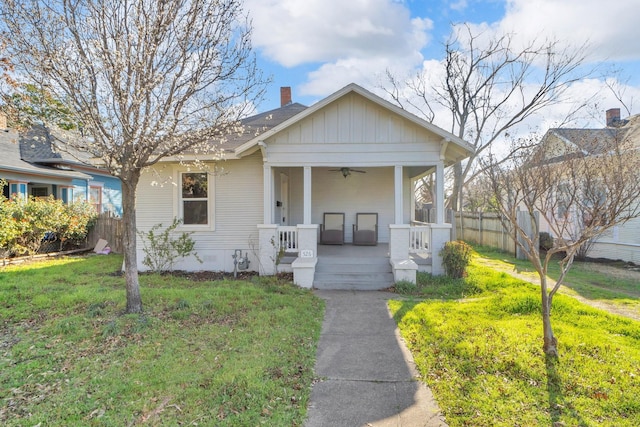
[346,171]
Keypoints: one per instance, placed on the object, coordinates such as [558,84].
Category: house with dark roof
[621,242]
[325,191]
[31,166]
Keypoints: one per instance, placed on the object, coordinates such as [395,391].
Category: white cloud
[292,32]
[353,40]
[459,5]
[610,27]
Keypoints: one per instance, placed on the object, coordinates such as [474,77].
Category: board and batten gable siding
[353,130]
[237,209]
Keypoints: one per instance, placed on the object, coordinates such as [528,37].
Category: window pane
[195,212]
[39,192]
[95,194]
[194,185]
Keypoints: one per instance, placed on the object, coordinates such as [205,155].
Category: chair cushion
[331,237]
[364,237]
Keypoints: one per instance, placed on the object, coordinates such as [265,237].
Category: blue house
[31,166]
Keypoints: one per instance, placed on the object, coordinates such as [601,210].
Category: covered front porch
[349,154]
[296,199]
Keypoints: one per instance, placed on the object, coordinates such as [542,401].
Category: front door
[284,199]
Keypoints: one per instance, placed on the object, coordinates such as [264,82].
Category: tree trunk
[550,345]
[134,301]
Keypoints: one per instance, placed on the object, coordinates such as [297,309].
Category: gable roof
[354,88]
[260,123]
[37,145]
[12,161]
[590,142]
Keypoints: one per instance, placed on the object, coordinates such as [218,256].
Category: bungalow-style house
[621,242]
[325,191]
[31,166]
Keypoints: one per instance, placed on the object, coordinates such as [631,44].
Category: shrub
[455,257]
[546,241]
[24,224]
[162,250]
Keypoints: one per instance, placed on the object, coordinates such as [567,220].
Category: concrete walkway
[368,377]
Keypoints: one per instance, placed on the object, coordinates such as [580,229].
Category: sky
[319,46]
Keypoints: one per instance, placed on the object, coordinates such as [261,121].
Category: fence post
[480,239]
[524,222]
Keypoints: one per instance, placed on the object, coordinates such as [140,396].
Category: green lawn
[478,345]
[613,285]
[204,353]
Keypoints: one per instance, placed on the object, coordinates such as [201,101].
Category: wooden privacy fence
[108,228]
[487,229]
[484,228]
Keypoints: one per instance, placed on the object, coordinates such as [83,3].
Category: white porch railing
[420,238]
[288,238]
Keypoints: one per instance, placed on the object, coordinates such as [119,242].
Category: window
[18,188]
[195,198]
[39,191]
[564,200]
[95,197]
[66,194]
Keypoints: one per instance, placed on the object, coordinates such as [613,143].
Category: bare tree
[146,79]
[489,86]
[578,196]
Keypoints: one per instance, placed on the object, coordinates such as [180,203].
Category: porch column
[398,195]
[267,180]
[440,193]
[306,215]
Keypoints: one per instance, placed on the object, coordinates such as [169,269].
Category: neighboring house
[621,242]
[32,167]
[350,153]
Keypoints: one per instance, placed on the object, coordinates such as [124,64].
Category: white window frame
[179,205]
[69,189]
[99,186]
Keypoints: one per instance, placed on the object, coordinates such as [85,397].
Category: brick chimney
[613,117]
[285,96]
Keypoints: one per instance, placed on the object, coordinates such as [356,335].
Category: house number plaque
[306,253]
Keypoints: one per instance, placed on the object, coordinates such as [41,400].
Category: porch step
[353,273]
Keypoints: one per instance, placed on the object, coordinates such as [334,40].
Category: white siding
[237,204]
[619,243]
[622,242]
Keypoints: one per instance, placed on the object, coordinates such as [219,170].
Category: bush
[546,241]
[455,257]
[25,224]
[162,250]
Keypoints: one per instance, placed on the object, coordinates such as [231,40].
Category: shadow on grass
[557,406]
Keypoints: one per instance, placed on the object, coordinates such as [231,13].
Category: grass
[477,343]
[593,281]
[224,353]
